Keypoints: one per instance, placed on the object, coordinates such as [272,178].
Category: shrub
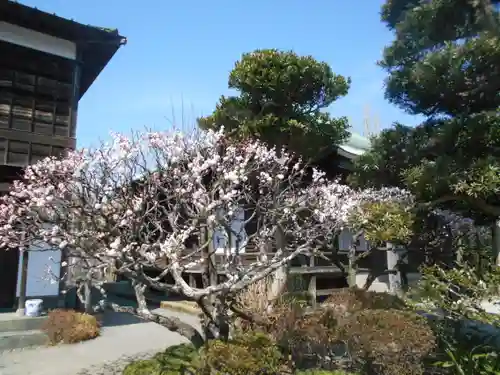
[256,296]
[252,353]
[350,300]
[308,338]
[388,342]
[257,299]
[173,361]
[481,360]
[69,326]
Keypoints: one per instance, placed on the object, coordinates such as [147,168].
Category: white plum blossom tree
[152,201]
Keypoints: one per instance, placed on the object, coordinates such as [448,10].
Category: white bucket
[34,307]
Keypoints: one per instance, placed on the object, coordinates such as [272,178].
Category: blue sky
[179,54]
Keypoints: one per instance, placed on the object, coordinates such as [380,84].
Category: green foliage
[464,327]
[251,353]
[173,361]
[384,222]
[444,57]
[392,152]
[459,291]
[443,64]
[69,327]
[280,101]
[481,360]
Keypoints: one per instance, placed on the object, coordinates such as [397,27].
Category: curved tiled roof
[356,145]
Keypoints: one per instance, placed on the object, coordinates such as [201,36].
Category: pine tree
[444,63]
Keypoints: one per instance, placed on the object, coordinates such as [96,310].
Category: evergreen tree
[281,101]
[444,63]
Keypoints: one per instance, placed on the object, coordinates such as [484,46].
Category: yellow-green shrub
[173,361]
[251,353]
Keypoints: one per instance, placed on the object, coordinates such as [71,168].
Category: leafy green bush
[173,361]
[480,360]
[69,326]
[383,222]
[460,291]
[251,353]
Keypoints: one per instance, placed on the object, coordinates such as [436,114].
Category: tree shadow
[116,319]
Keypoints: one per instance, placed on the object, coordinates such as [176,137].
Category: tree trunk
[279,283]
[496,241]
[280,276]
[352,269]
[173,324]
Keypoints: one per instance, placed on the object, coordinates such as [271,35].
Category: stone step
[10,322]
[21,339]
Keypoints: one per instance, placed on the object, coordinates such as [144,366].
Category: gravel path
[123,339]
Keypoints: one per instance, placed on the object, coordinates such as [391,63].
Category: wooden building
[320,275]
[47,63]
[339,163]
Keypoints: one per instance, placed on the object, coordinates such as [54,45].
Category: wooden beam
[22,136]
[316,270]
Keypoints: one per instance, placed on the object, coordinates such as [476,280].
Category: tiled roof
[356,145]
[98,44]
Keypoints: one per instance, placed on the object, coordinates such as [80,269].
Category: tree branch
[173,324]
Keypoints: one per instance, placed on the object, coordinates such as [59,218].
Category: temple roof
[97,45]
[355,146]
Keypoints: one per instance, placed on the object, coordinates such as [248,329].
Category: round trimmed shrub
[308,338]
[69,326]
[388,342]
